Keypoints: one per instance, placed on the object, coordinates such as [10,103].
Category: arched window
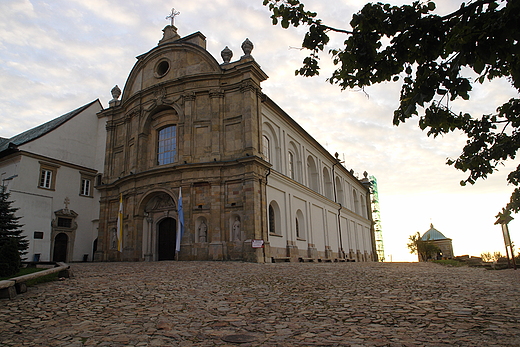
[300,225]
[167,145]
[364,211]
[312,174]
[294,162]
[291,165]
[271,145]
[357,208]
[340,198]
[328,183]
[266,149]
[274,219]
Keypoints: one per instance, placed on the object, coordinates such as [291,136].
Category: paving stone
[283,304]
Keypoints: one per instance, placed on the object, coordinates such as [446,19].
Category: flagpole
[120,225]
[180,225]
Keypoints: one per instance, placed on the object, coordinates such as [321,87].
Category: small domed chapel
[255,186]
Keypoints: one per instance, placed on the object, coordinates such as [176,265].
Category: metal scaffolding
[378,231]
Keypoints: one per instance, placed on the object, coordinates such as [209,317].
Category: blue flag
[180,228]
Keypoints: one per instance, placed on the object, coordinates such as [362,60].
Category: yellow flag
[120,224]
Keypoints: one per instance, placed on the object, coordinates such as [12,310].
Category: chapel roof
[433,234]
[40,130]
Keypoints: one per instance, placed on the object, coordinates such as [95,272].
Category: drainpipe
[265,233]
[342,253]
[340,238]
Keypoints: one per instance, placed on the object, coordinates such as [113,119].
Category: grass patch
[449,262]
[23,271]
[34,281]
[42,279]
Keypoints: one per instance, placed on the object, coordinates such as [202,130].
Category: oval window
[162,68]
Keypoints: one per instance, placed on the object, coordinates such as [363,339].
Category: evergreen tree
[12,243]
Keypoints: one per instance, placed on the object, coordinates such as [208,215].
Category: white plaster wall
[320,211]
[80,141]
[279,196]
[37,207]
[75,141]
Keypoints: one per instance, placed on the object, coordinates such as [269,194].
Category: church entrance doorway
[60,247]
[167,236]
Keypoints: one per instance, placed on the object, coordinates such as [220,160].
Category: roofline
[13,146]
[299,128]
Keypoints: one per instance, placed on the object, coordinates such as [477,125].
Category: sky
[57,55]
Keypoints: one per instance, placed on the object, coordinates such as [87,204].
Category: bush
[449,262]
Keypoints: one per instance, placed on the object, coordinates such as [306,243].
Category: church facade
[255,186]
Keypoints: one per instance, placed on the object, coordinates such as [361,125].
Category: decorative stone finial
[365,174]
[247,47]
[226,55]
[116,93]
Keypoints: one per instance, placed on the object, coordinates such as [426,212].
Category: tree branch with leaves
[436,58]
[424,249]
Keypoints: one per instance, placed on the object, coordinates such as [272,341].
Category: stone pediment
[172,59]
[65,212]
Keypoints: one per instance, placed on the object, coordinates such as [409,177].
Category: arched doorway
[167,236]
[60,247]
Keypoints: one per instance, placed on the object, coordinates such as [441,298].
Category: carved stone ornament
[247,86]
[247,47]
[216,93]
[189,96]
[160,203]
[169,34]
[160,99]
[226,55]
[116,92]
[65,213]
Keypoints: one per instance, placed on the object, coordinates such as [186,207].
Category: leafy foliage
[488,257]
[426,250]
[436,58]
[12,243]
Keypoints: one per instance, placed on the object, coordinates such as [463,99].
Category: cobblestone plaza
[281,304]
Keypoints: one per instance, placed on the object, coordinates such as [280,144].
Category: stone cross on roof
[67,203]
[172,15]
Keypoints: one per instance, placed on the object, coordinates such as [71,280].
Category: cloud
[56,56]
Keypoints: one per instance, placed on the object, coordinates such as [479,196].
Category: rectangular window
[38,235]
[85,187]
[85,183]
[46,179]
[167,145]
[64,222]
